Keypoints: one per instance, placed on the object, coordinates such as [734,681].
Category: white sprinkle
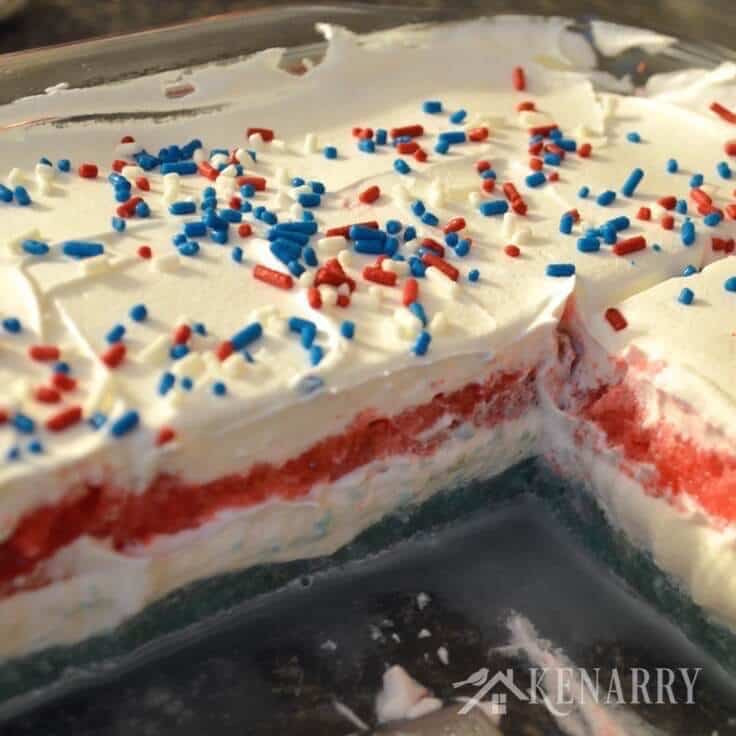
[229,171]
[424,634]
[474,199]
[44,172]
[345,258]
[14,244]
[329,646]
[281,177]
[423,600]
[399,694]
[94,266]
[310,143]
[445,283]
[191,364]
[234,366]
[218,159]
[443,656]
[256,142]
[166,264]
[15,177]
[331,245]
[155,352]
[344,711]
[438,324]
[199,155]
[132,172]
[401,268]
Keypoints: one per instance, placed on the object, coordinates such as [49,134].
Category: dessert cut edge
[243,337]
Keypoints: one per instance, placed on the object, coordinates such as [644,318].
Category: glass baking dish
[183,624]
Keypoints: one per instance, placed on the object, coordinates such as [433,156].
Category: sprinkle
[315,354]
[429,218]
[115,334]
[369,195]
[667,222]
[35,447]
[12,324]
[309,199]
[566,223]
[696,180]
[97,420]
[723,112]
[630,245]
[166,383]
[44,353]
[560,269]
[125,424]
[274,278]
[64,419]
[585,150]
[724,170]
[411,291]
[473,275]
[82,249]
[462,248]
[118,224]
[87,171]
[712,219]
[401,166]
[633,137]
[494,207]
[615,319]
[421,345]
[583,192]
[23,424]
[589,244]
[687,233]
[114,355]
[686,296]
[21,196]
[164,436]
[347,329]
[144,251]
[47,395]
[442,147]
[187,383]
[672,166]
[518,79]
[64,164]
[379,276]
[512,251]
[249,334]
[535,179]
[730,284]
[606,198]
[429,259]
[632,182]
[35,247]
[644,213]
[432,107]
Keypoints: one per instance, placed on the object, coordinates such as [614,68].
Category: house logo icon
[498,700]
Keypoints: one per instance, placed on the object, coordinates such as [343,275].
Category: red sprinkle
[206,169]
[3,416]
[143,184]
[644,213]
[127,139]
[379,276]
[630,245]
[478,134]
[585,150]
[699,196]
[370,195]
[257,182]
[411,130]
[511,192]
[434,246]
[314,297]
[513,251]
[274,278]
[616,319]
[723,112]
[543,130]
[181,334]
[668,202]
[365,134]
[165,434]
[454,225]
[730,148]
[88,171]
[63,382]
[356,132]
[411,292]
[722,245]
[667,222]
[408,147]
[536,148]
[114,355]
[518,79]
[47,395]
[343,300]
[519,205]
[536,164]
[224,350]
[554,148]
[244,229]
[526,106]
[144,251]
[429,259]
[488,185]
[344,230]
[44,353]
[731,211]
[118,165]
[482,165]
[265,133]
[64,419]
[420,155]
[235,202]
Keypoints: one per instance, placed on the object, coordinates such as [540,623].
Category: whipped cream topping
[510,309]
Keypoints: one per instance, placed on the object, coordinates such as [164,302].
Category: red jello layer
[680,466]
[169,505]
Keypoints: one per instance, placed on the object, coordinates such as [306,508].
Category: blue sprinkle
[310,257]
[121,194]
[566,223]
[452,239]
[195,229]
[23,424]
[315,354]
[179,239]
[442,147]
[309,384]
[632,182]
[246,206]
[367,146]
[488,174]
[608,232]
[347,329]
[208,204]
[330,152]
[560,269]
[712,219]
[64,164]
[606,198]
[401,166]
[182,208]
[567,144]
[82,249]
[6,195]
[687,233]
[689,270]
[230,215]
[249,334]
[432,107]
[178,351]
[583,192]
[535,179]
[552,159]
[191,248]
[453,136]
[115,334]
[138,312]
[187,383]
[35,247]
[393,227]
[686,296]
[381,136]
[294,236]
[410,232]
[179,167]
[724,171]
[166,383]
[589,244]
[656,247]
[297,181]
[21,196]
[200,328]
[681,206]
[317,187]
[247,190]
[494,207]
[421,344]
[672,166]
[35,447]
[237,254]
[269,218]
[310,228]
[458,116]
[13,454]
[62,367]
[418,311]
[428,218]
[308,216]
[730,284]
[97,420]
[309,199]
[142,209]
[369,247]
[391,246]
[633,137]
[555,134]
[462,248]
[12,324]
[126,423]
[417,207]
[219,236]
[417,267]
[118,224]
[696,180]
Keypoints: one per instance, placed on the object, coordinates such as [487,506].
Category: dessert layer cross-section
[244,334]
